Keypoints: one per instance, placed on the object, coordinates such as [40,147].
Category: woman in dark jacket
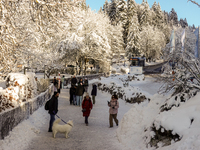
[94,92]
[53,109]
[87,105]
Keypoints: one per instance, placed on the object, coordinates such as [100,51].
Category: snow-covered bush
[19,89]
[124,70]
[124,91]
[113,71]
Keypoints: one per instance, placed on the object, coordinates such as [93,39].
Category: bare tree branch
[194,2]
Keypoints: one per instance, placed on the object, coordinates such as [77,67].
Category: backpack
[47,105]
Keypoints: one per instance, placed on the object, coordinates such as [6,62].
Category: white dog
[62,128]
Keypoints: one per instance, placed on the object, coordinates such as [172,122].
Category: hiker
[94,92]
[114,105]
[72,92]
[86,84]
[53,109]
[79,93]
[87,107]
[73,81]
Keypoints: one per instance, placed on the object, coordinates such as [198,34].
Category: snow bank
[135,129]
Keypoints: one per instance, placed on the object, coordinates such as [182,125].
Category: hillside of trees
[146,31]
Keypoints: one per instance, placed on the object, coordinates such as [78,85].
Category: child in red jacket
[87,107]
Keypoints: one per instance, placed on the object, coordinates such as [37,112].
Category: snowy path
[96,136]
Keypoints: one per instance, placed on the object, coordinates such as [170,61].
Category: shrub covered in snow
[19,89]
[124,70]
[123,89]
[113,71]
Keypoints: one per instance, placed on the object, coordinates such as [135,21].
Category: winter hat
[86,94]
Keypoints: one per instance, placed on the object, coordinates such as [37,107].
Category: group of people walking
[78,88]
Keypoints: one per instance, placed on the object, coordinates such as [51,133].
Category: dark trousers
[52,119]
[93,99]
[111,117]
[86,119]
[71,99]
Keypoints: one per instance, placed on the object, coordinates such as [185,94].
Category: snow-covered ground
[32,133]
[133,132]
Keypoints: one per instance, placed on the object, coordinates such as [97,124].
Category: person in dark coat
[87,105]
[79,93]
[94,92]
[53,109]
[80,81]
[72,92]
[86,84]
[73,81]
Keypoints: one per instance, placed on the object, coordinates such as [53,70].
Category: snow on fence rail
[12,117]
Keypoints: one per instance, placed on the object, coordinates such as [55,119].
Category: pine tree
[106,7]
[144,14]
[166,17]
[122,13]
[133,40]
[158,16]
[131,11]
[112,12]
[173,17]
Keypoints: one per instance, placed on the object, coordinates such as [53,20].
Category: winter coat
[73,81]
[114,105]
[55,82]
[62,79]
[72,91]
[87,104]
[94,90]
[53,106]
[79,90]
[86,83]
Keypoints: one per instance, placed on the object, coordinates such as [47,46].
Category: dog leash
[61,119]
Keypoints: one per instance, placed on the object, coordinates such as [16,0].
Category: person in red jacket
[87,106]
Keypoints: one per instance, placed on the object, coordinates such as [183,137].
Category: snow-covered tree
[183,23]
[122,13]
[144,14]
[182,66]
[112,12]
[152,41]
[106,7]
[133,41]
[157,16]
[173,17]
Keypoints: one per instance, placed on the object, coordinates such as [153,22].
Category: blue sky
[183,8]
